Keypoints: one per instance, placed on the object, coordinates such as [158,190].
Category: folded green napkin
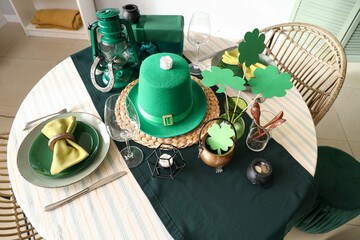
[66,152]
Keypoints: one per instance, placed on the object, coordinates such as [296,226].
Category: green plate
[217,61]
[23,163]
[41,156]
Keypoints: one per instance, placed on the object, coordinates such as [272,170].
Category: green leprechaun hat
[168,102]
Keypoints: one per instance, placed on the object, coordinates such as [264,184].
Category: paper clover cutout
[251,47]
[220,137]
[268,82]
[223,77]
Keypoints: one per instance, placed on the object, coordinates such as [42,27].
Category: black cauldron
[259,172]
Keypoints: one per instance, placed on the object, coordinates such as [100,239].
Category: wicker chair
[313,57]
[13,222]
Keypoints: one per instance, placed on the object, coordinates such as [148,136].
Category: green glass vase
[238,122]
[239,125]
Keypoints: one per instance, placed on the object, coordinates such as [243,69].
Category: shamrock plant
[251,47]
[249,51]
[270,83]
[267,81]
[220,137]
[223,77]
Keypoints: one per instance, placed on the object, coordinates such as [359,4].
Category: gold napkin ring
[59,136]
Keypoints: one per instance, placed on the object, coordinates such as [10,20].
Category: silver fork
[27,125]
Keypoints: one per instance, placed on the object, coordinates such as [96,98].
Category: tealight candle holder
[165,161]
[259,172]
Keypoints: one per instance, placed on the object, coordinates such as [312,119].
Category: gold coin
[258,168]
[264,168]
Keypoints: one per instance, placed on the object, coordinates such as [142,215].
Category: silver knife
[214,53]
[100,183]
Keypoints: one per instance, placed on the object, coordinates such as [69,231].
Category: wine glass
[132,155]
[198,35]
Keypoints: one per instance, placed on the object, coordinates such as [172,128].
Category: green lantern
[113,57]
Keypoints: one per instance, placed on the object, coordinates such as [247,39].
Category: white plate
[42,181]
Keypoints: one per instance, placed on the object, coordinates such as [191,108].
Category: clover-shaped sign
[220,137]
[251,47]
[223,77]
[268,82]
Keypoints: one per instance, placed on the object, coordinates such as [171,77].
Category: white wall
[8,11]
[2,19]
[229,18]
[6,8]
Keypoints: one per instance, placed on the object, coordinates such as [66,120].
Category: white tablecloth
[120,210]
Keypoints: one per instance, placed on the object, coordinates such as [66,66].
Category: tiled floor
[24,60]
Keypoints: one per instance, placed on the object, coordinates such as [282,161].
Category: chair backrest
[313,57]
[13,222]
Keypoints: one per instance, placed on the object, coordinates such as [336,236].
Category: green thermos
[113,57]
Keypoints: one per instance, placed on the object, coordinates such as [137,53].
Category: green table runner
[200,204]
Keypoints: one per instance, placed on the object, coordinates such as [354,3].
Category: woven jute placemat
[181,141]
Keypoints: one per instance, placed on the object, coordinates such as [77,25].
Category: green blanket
[200,204]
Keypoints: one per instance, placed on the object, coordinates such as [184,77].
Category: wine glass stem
[197,55]
[129,153]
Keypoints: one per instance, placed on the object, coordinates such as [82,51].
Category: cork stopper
[166,63]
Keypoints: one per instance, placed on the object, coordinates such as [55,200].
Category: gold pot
[214,160]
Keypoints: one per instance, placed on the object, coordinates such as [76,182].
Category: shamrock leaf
[269,83]
[220,137]
[251,47]
[223,77]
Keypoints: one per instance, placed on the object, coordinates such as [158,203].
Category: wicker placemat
[181,141]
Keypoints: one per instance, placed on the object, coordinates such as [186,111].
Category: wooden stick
[237,100]
[246,107]
[227,104]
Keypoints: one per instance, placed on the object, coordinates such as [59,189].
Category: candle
[166,160]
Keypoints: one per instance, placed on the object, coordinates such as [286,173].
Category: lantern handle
[111,82]
[94,42]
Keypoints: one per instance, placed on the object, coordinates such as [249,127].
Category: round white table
[120,210]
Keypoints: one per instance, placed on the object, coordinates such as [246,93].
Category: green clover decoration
[270,83]
[222,77]
[251,47]
[220,137]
